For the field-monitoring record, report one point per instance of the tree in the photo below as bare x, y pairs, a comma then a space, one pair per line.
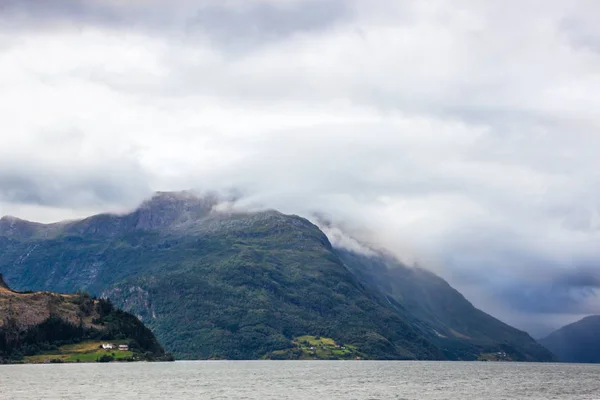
105, 358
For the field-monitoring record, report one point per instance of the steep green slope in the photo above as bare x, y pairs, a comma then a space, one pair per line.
36, 322
578, 342
213, 285
439, 312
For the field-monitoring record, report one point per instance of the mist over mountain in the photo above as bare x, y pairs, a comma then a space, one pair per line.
216, 282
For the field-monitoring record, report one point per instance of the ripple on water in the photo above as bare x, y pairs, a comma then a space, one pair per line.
301, 380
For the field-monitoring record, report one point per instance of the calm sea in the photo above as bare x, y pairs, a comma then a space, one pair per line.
322, 380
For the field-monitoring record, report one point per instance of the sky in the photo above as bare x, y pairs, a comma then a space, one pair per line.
462, 136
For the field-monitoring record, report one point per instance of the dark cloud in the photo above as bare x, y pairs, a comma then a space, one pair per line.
43, 14
580, 278
547, 298
581, 31
259, 22
120, 184
230, 24
536, 282
535, 298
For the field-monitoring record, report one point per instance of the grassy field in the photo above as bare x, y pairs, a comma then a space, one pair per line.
315, 341
80, 352
320, 348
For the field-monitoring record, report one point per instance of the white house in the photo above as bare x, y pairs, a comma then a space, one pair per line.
123, 347
107, 346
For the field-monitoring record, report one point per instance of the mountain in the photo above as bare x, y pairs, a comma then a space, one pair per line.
578, 342
237, 285
210, 284
37, 323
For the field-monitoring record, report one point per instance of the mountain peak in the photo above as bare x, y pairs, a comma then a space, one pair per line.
16, 227
169, 208
184, 199
9, 220
176, 196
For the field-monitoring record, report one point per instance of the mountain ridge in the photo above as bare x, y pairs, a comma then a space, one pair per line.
233, 284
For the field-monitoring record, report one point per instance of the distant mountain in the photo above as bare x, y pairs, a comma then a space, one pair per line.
578, 342
35, 323
214, 284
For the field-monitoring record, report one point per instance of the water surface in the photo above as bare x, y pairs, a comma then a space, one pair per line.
301, 380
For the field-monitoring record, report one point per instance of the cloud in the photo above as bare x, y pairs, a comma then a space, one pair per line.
65, 186
461, 136
253, 23
231, 24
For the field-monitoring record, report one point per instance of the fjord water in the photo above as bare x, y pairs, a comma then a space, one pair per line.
301, 380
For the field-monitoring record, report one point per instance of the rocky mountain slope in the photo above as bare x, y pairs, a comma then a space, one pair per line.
239, 285
32, 322
578, 342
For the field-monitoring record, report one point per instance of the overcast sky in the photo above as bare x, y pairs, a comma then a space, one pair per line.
462, 135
